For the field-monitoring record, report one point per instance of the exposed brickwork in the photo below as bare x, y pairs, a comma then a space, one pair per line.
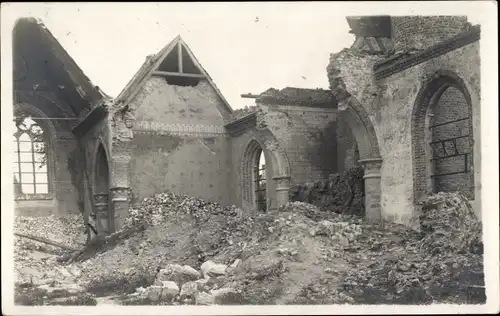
347, 148
419, 32
397, 129
239, 113
308, 138
452, 105
298, 96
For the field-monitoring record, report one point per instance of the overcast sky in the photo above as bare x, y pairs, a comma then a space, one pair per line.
245, 47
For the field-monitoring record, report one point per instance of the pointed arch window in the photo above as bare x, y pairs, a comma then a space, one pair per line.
31, 175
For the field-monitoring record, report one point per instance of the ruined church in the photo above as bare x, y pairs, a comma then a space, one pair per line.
403, 103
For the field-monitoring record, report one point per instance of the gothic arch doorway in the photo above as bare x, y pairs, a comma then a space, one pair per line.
258, 192
102, 213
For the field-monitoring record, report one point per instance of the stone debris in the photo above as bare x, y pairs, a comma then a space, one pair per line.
177, 273
212, 269
181, 250
342, 193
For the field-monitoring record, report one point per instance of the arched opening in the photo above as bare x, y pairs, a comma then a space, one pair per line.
366, 152
442, 138
260, 178
31, 160
256, 175
102, 214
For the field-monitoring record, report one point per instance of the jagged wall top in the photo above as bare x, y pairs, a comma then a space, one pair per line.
298, 96
385, 35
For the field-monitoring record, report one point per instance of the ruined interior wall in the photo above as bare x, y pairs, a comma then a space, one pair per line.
393, 127
347, 148
63, 166
99, 134
309, 137
238, 146
179, 142
452, 105
65, 174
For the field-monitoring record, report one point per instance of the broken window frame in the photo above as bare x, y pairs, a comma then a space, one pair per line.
258, 181
34, 137
456, 153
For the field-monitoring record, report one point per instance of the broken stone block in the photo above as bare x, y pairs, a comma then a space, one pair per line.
169, 290
177, 273
325, 228
212, 269
187, 270
189, 289
235, 263
154, 293
203, 298
202, 284
227, 296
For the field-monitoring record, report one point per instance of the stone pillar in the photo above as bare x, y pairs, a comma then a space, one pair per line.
101, 203
120, 188
372, 177
282, 190
120, 205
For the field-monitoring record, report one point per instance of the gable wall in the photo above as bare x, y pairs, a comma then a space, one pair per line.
179, 142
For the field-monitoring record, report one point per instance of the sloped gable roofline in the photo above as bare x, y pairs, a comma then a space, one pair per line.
74, 71
151, 64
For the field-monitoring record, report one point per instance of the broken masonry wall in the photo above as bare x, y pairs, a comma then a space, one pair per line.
62, 170
347, 148
65, 175
393, 126
420, 32
342, 193
308, 135
242, 181
98, 134
179, 142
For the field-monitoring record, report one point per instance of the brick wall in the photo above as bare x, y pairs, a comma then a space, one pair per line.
347, 148
403, 167
420, 32
308, 136
452, 106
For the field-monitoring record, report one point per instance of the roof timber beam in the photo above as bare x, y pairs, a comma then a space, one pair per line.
179, 57
176, 74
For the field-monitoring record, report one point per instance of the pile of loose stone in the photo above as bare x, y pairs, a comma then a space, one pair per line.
176, 284
342, 193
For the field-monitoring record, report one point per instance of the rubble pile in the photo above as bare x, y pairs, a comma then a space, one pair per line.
442, 262
35, 260
342, 193
176, 250
68, 230
279, 256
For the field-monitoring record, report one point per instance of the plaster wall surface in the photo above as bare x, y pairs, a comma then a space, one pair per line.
392, 123
179, 142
